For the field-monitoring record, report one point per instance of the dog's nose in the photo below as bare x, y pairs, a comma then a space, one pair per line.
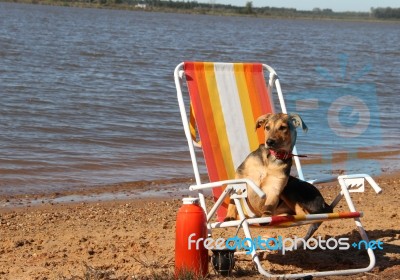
271, 142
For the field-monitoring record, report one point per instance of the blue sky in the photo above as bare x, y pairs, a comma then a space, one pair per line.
336, 5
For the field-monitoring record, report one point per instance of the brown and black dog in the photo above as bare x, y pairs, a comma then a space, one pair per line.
269, 167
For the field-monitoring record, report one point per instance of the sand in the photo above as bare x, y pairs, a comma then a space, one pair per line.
134, 237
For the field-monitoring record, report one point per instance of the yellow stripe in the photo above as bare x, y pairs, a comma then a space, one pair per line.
192, 125
219, 119
246, 104
334, 215
300, 217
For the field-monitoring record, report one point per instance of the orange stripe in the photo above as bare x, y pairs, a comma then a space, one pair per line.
190, 71
212, 150
192, 124
259, 79
221, 137
349, 214
210, 107
198, 91
265, 98
256, 101
212, 130
254, 97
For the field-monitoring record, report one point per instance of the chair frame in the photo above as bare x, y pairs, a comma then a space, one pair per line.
234, 190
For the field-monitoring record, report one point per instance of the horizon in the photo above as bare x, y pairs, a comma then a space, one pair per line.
308, 5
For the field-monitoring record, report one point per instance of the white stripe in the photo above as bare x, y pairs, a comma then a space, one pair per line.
232, 112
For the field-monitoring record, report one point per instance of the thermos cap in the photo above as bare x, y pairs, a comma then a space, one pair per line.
190, 200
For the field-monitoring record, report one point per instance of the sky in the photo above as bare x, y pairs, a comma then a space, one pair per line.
336, 5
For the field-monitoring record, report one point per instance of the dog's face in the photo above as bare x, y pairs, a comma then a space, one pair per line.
280, 130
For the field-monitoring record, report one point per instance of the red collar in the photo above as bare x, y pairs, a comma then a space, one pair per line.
283, 155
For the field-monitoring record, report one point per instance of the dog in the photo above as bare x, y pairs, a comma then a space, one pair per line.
269, 166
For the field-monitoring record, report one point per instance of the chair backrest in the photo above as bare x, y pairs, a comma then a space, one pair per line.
226, 100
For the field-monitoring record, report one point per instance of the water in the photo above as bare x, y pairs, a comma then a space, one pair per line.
87, 96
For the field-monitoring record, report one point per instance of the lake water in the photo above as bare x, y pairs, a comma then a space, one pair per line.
87, 96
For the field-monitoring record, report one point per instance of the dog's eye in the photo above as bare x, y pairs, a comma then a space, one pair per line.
282, 127
267, 128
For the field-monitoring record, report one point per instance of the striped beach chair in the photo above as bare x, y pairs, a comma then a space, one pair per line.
221, 104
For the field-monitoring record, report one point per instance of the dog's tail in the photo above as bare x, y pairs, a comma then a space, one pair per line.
318, 206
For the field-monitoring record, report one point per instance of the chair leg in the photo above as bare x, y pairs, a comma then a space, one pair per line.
310, 232
246, 230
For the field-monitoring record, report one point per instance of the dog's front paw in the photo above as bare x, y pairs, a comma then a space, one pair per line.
265, 214
267, 211
228, 218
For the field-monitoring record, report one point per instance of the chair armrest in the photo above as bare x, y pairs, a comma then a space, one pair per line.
211, 185
323, 180
369, 179
230, 186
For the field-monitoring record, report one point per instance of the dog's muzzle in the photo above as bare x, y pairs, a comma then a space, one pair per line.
270, 143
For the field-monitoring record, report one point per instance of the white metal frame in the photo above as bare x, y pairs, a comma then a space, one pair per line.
234, 189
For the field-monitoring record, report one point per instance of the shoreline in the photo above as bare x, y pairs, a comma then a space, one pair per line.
376, 163
164, 188
173, 188
217, 12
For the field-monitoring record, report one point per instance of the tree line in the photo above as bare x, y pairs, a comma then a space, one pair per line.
378, 13
213, 7
386, 13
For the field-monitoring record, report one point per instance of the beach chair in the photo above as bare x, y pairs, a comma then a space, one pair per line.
222, 102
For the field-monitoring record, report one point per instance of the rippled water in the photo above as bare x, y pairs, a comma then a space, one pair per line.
87, 96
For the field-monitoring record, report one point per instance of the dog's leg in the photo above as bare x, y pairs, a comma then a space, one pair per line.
268, 209
283, 209
231, 213
273, 188
311, 230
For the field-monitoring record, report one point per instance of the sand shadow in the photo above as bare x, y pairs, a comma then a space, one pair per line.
324, 260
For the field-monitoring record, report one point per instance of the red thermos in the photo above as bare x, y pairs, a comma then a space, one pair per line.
191, 230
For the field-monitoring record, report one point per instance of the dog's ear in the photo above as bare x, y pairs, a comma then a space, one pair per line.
261, 120
297, 121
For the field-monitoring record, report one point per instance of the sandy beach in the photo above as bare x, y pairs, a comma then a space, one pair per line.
133, 238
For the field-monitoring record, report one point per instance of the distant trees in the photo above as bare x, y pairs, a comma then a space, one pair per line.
386, 13
213, 7
324, 11
249, 8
